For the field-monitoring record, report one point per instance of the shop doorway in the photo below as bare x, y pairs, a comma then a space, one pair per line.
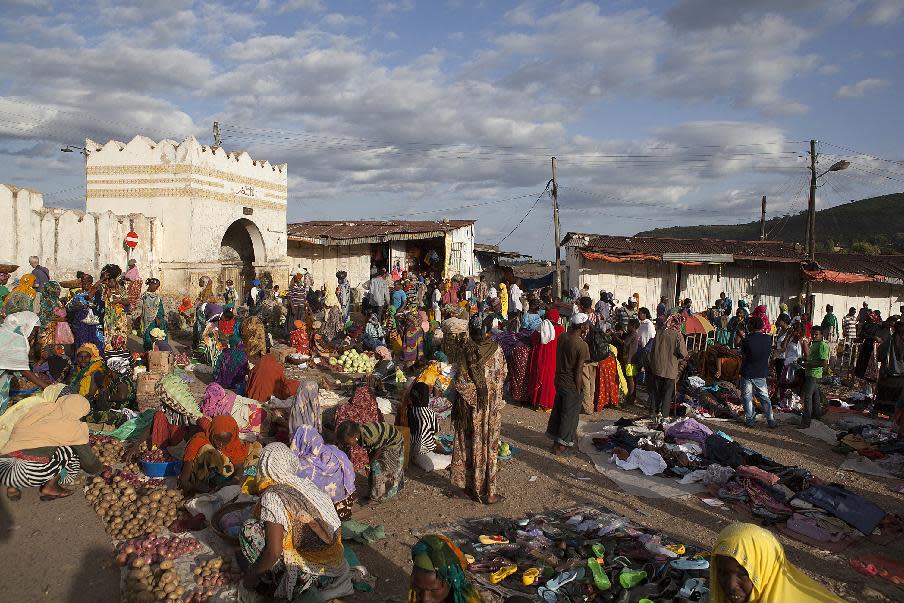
242, 246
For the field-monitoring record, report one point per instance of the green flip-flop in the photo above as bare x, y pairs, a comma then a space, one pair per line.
631, 578
600, 579
598, 549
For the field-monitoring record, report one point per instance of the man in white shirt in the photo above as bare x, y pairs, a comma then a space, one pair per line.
647, 330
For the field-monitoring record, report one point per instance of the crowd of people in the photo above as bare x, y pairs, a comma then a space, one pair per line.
64, 354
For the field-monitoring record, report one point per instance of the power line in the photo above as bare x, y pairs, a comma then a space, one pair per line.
540, 196
838, 146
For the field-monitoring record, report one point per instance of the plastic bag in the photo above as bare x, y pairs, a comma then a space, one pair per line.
132, 428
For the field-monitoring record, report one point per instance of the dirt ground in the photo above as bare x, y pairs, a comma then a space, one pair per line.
58, 551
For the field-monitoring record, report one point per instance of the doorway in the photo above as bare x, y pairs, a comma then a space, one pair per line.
241, 247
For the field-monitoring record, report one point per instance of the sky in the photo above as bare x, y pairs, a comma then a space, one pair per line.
659, 113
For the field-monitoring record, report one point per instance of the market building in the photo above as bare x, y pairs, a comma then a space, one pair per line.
357, 247
761, 272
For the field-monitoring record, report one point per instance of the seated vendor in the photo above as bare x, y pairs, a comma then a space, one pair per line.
88, 362
268, 379
328, 467
374, 334
213, 456
46, 444
748, 564
439, 575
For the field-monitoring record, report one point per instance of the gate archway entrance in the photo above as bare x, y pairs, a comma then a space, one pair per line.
242, 246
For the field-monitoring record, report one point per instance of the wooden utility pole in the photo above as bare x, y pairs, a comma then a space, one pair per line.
763, 220
811, 207
555, 221
216, 133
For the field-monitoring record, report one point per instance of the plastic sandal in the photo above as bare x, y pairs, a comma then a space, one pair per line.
600, 579
488, 567
692, 587
631, 578
678, 549
548, 596
484, 539
689, 565
598, 549
469, 559
504, 572
530, 576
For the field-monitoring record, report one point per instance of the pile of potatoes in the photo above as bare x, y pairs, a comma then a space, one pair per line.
108, 449
145, 584
131, 509
214, 573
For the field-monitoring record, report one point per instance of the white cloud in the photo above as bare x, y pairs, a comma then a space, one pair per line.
294, 5
862, 87
884, 12
339, 20
397, 6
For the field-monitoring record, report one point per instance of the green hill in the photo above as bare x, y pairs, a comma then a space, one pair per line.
874, 225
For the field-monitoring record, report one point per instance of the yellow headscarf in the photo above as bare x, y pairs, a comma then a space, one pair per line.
775, 579
82, 379
9, 419
504, 299
26, 285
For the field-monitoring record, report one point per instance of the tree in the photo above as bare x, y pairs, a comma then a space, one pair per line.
865, 247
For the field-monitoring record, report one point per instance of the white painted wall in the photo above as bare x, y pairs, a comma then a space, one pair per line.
758, 283
460, 251
884, 297
324, 261
649, 279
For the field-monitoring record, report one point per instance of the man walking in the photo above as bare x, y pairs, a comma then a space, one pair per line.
41, 274
756, 350
379, 293
571, 354
668, 348
817, 362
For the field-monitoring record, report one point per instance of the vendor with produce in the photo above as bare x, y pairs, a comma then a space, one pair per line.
385, 447
295, 523
213, 456
44, 444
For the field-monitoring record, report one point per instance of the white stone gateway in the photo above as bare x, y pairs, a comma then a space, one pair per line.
198, 210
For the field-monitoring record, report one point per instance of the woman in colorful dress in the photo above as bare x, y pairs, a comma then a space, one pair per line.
133, 284
541, 385
17, 333
477, 415
50, 303
294, 543
386, 451
88, 362
327, 466
412, 338
22, 297
152, 313
115, 320
361, 408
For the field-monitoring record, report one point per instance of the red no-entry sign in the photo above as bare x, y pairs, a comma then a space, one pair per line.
132, 239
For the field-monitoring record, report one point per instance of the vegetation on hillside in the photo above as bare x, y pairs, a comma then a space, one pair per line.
874, 225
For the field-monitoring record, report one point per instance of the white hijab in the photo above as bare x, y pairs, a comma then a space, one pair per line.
547, 331
14, 333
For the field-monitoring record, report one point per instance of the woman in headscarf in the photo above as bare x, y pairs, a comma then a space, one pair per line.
254, 336
50, 302
22, 297
115, 388
327, 466
385, 447
133, 286
231, 367
205, 297
298, 338
115, 321
344, 293
17, 333
374, 334
361, 408
45, 445
867, 364
891, 376
151, 312
217, 446
477, 415
541, 385
748, 565
333, 325
761, 312
88, 362
412, 338
744, 307
306, 409
294, 541
503, 300
439, 575
268, 379
185, 312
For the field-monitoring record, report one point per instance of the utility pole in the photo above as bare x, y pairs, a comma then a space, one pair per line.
763, 220
555, 221
216, 133
811, 207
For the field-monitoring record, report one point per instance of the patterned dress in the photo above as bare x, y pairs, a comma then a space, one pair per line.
477, 430
386, 448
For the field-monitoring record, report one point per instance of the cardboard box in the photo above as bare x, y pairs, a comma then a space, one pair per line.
159, 362
281, 352
146, 384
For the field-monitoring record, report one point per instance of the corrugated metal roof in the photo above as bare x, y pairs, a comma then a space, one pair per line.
336, 232
778, 251
494, 250
891, 267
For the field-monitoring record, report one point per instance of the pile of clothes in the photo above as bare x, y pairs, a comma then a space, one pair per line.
722, 399
876, 442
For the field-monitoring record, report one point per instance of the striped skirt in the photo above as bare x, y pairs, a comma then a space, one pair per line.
22, 473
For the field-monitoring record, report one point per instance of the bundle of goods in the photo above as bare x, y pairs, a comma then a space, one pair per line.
145, 584
176, 394
131, 506
108, 418
155, 549
108, 449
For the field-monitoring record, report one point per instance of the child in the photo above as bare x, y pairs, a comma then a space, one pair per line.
386, 449
299, 339
186, 314
230, 295
227, 323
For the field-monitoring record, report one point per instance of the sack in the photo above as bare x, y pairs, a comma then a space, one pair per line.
159, 362
64, 334
598, 342
146, 383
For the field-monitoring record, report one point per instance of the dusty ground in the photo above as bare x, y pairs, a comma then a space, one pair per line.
58, 551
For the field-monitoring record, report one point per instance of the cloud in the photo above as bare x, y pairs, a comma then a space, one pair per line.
339, 20
883, 12
862, 87
398, 6
698, 15
294, 5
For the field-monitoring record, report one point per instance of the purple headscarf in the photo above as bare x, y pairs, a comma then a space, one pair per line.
217, 401
306, 410
324, 464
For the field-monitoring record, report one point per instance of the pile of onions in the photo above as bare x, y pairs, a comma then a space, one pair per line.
108, 449
132, 509
155, 549
156, 456
215, 572
145, 584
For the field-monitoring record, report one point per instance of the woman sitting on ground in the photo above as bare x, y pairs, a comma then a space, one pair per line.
439, 575
88, 363
424, 425
44, 444
17, 335
361, 408
748, 565
293, 543
231, 368
326, 466
268, 379
213, 456
386, 449
374, 335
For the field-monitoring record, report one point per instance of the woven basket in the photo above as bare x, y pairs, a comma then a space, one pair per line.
215, 520
8, 268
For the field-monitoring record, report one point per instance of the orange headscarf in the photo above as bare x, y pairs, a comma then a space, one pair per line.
268, 378
236, 449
